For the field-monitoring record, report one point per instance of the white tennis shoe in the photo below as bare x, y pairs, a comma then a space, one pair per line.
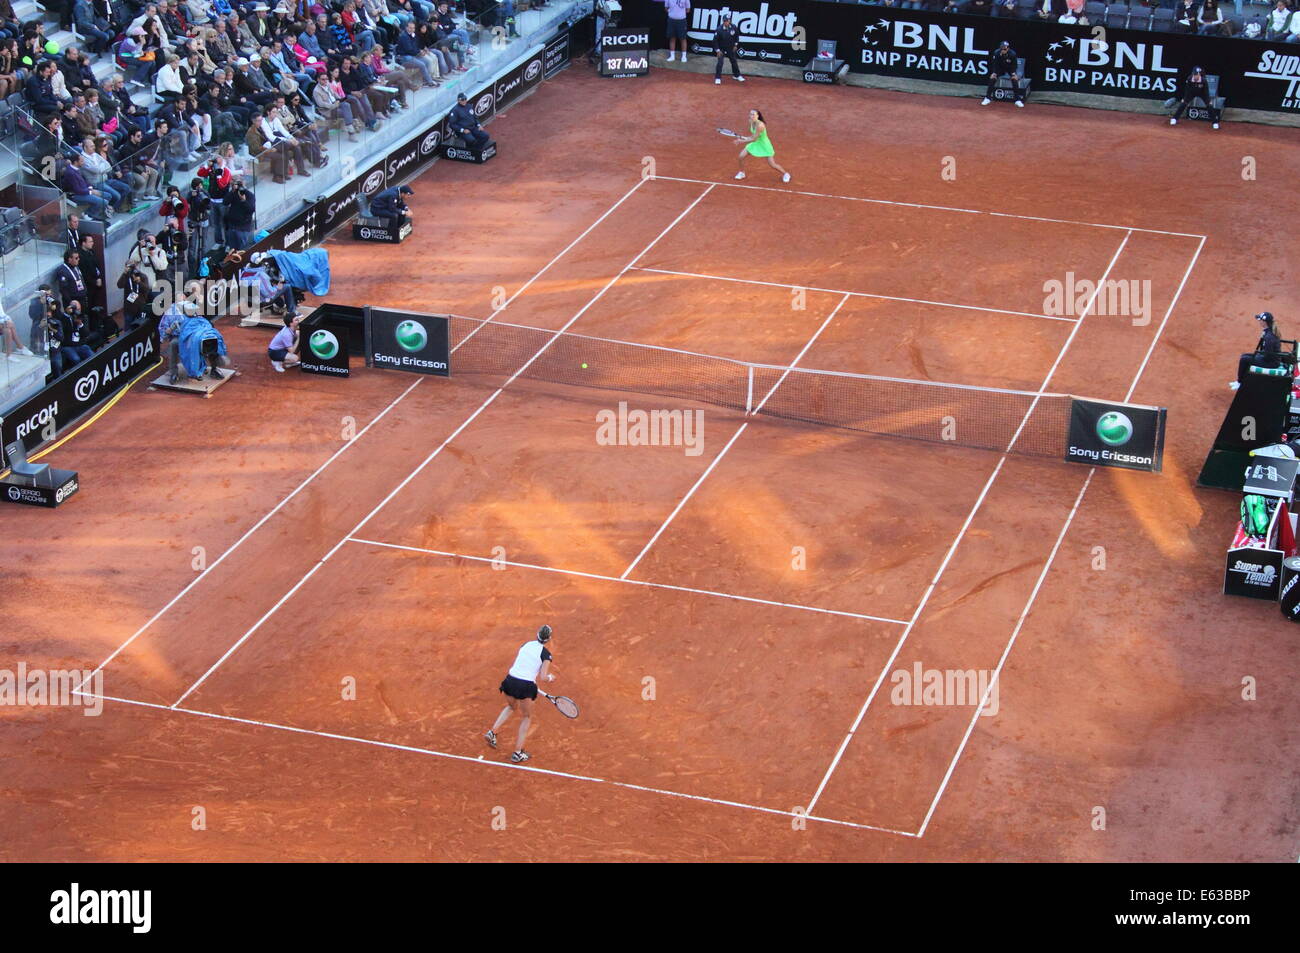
786, 177
717, 81
740, 79
740, 175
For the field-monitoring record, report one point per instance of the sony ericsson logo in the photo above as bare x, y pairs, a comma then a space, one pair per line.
86, 386
429, 143
373, 181
533, 69
411, 336
324, 344
1114, 429
484, 105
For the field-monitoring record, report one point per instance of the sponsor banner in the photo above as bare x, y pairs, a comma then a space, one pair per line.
408, 341
1116, 435
556, 55
45, 413
625, 52
1271, 476
954, 48
1255, 573
326, 351
380, 233
520, 80
64, 484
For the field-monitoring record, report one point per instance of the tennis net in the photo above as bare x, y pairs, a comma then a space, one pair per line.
984, 417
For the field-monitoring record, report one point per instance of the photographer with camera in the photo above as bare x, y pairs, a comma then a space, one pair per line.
136, 295
241, 208
218, 183
199, 204
37, 310
175, 245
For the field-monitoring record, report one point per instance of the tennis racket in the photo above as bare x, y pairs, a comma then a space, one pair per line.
566, 706
728, 132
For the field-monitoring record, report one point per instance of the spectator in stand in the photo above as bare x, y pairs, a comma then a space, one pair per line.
441, 51
262, 143
1275, 24
412, 55
76, 70
332, 106
98, 171
120, 174
173, 150
37, 310
1211, 21
297, 117
978, 8
1186, 16
140, 156
284, 63
447, 23
403, 80
10, 82
218, 43
13, 347
73, 335
167, 82
10, 28
96, 30
39, 90
355, 83
135, 296
246, 83
78, 189
462, 121
139, 60
240, 210
363, 38
1293, 31
118, 104
259, 26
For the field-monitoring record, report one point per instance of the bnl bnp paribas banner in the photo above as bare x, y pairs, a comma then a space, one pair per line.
953, 48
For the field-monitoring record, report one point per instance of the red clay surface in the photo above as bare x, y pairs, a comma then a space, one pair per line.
1122, 690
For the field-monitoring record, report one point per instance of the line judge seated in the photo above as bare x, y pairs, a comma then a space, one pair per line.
1267, 353
391, 207
465, 124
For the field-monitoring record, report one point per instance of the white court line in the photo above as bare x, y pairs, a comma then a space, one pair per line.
629, 582
961, 534
1006, 652
734, 437
253, 529
1077, 503
256, 526
859, 294
936, 208
427, 460
394, 746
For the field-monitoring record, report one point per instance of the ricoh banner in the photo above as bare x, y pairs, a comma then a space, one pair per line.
953, 48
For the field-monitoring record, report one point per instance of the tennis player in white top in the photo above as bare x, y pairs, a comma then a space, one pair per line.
532, 664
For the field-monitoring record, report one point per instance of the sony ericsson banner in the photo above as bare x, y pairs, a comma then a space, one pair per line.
326, 352
1116, 435
38, 419
954, 48
408, 341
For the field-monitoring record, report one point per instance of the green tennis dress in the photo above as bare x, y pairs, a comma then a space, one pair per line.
762, 146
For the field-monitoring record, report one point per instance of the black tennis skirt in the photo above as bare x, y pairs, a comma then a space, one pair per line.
518, 688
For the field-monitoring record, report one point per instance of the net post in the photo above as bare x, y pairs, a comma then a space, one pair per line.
749, 391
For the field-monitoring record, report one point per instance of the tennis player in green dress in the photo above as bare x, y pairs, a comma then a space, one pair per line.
759, 145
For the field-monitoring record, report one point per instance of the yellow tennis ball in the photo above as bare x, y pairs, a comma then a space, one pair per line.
584, 367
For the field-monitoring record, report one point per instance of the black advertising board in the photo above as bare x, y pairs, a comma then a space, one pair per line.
55, 487
408, 341
40, 417
1254, 573
1106, 434
518, 82
555, 56
954, 48
625, 52
324, 350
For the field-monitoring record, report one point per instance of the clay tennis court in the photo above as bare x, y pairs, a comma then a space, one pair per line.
235, 564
